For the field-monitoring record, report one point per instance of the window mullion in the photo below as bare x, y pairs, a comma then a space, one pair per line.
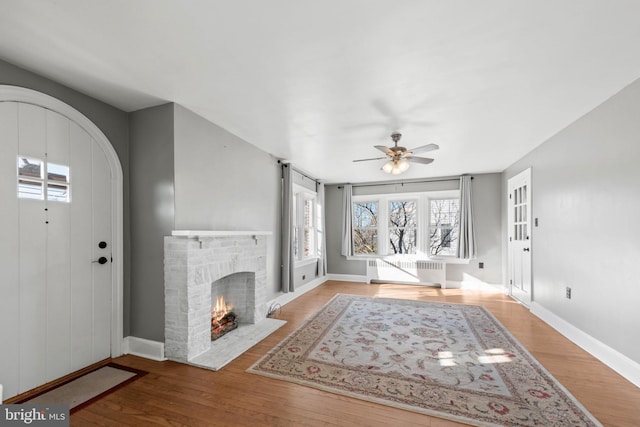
420, 223
301, 226
383, 227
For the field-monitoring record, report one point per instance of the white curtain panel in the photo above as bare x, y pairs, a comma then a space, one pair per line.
347, 240
287, 230
466, 233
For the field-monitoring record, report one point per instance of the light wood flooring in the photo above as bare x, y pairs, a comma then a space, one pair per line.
174, 394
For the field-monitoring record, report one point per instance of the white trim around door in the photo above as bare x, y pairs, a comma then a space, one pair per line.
20, 94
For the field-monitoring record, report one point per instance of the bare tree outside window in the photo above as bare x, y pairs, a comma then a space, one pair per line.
443, 229
365, 228
403, 223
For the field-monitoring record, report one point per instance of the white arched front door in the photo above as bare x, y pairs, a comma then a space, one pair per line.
61, 247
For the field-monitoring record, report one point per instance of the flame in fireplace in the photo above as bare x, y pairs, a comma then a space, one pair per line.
221, 309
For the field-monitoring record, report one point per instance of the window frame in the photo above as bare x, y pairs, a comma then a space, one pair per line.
446, 196
391, 200
423, 223
300, 196
366, 200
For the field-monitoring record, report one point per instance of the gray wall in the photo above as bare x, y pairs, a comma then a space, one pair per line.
487, 220
224, 183
113, 122
586, 194
152, 215
487, 215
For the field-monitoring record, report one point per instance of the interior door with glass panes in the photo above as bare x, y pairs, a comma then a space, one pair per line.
55, 253
519, 224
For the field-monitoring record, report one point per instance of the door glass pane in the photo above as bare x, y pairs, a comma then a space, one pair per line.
29, 189
57, 192
30, 178
58, 173
57, 182
29, 167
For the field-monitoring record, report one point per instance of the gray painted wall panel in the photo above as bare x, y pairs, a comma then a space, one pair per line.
488, 228
336, 263
224, 183
586, 194
152, 216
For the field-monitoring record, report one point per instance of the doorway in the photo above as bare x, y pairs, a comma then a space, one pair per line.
61, 252
519, 235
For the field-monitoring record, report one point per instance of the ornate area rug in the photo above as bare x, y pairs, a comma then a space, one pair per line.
452, 361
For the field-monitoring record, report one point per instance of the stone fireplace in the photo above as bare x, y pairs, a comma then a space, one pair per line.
200, 267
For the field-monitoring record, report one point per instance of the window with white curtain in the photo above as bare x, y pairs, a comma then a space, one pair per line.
423, 224
365, 227
444, 218
306, 233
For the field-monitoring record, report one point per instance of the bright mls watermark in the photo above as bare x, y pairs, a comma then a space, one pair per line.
34, 415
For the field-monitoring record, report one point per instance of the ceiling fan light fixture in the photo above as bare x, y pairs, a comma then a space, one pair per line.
396, 167
399, 158
388, 167
403, 165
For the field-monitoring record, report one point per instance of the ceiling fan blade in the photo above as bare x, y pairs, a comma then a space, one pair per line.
385, 150
424, 148
423, 160
366, 160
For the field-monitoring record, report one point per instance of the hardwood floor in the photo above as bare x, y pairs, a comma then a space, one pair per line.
174, 394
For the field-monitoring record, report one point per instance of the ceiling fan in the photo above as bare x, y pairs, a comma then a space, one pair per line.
399, 157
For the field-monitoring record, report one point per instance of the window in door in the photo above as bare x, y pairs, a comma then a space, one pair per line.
32, 180
520, 220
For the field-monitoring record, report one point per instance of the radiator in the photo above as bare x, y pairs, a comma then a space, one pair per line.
407, 271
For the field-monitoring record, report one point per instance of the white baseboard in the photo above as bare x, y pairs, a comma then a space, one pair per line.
348, 278
144, 348
607, 355
290, 296
476, 285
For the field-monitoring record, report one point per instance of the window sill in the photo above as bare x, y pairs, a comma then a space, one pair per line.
305, 262
446, 260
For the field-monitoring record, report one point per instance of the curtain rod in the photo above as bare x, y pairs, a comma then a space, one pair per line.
372, 184
301, 173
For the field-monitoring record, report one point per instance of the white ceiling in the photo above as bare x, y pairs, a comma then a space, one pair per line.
320, 82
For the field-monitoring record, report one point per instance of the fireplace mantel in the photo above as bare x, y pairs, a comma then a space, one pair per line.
220, 233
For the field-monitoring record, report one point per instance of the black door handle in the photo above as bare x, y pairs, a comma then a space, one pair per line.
526, 249
102, 260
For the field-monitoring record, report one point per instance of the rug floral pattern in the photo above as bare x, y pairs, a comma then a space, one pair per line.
454, 361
